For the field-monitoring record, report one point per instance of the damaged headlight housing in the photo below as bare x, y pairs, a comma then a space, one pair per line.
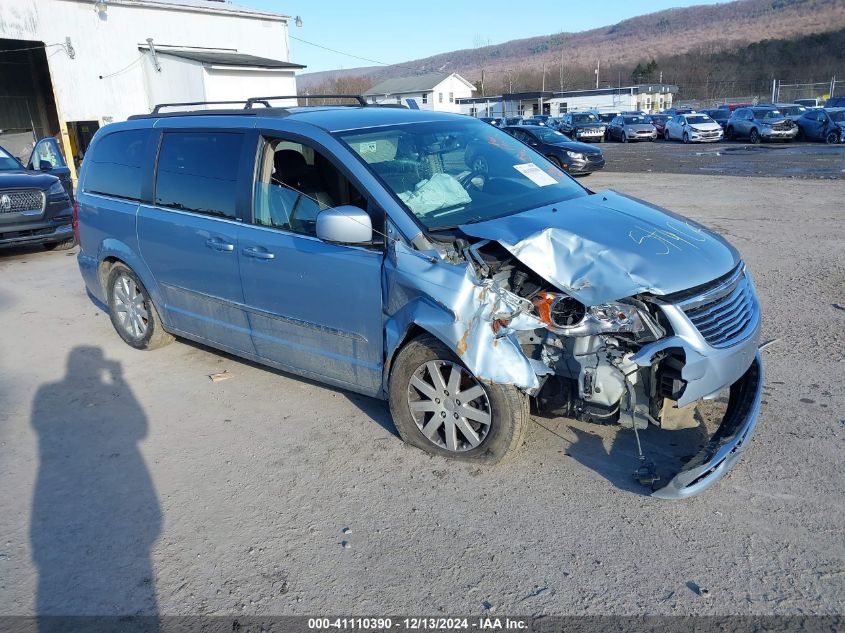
564, 315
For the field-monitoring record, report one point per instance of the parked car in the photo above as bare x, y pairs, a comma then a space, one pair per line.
582, 126
489, 119
835, 102
35, 208
510, 120
659, 123
606, 118
631, 127
576, 158
760, 123
823, 124
809, 103
677, 111
693, 128
365, 248
47, 157
719, 115
790, 110
730, 107
554, 122
533, 121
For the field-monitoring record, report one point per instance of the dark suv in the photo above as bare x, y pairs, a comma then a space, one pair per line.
35, 208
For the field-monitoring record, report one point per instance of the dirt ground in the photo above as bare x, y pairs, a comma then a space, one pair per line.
132, 483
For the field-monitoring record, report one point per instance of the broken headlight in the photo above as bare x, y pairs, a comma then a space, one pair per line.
564, 315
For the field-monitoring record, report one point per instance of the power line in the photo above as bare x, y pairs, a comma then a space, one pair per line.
366, 59
29, 48
125, 68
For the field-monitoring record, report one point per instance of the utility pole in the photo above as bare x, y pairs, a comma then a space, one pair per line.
598, 67
482, 83
543, 89
774, 90
561, 70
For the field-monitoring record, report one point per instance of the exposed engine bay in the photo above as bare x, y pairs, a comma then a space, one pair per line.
589, 349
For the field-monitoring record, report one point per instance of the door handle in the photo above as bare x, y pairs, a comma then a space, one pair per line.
219, 245
257, 253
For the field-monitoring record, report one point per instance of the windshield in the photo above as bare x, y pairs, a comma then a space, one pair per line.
548, 135
699, 118
838, 116
608, 117
635, 120
450, 173
659, 118
585, 118
8, 162
767, 114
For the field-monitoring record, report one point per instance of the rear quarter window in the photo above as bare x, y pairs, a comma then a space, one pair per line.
115, 164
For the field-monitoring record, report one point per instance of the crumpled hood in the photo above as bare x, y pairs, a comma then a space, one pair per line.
609, 246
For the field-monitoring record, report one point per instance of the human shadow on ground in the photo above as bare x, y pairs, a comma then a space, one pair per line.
95, 511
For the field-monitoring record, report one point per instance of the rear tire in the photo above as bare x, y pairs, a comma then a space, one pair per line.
554, 161
412, 384
132, 312
64, 245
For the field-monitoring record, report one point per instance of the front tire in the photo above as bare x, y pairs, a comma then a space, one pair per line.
831, 138
440, 407
754, 136
132, 312
686, 138
729, 134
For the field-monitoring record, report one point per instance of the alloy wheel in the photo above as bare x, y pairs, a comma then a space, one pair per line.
130, 307
449, 406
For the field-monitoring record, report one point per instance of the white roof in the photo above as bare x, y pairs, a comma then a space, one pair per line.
202, 6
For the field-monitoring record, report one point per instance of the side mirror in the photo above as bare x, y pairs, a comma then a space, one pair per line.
345, 224
45, 165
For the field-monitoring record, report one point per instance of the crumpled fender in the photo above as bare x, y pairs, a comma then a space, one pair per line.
480, 326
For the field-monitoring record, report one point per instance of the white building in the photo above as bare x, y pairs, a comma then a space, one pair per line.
69, 66
646, 97
431, 91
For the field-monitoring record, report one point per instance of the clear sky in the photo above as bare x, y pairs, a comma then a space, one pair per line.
397, 30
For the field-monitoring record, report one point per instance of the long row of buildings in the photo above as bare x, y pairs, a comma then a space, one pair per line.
452, 93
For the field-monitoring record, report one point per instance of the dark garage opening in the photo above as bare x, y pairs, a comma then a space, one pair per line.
27, 106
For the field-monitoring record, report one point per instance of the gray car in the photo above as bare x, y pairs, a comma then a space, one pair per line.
760, 123
631, 127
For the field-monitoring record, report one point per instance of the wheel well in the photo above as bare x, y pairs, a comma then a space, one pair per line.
104, 270
414, 331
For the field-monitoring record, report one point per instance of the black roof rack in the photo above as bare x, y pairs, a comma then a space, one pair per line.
159, 106
252, 101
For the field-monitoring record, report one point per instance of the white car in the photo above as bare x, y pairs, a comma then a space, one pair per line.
693, 128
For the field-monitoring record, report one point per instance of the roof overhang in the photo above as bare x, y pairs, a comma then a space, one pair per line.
199, 6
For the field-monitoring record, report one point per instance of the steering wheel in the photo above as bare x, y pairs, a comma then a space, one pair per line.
467, 180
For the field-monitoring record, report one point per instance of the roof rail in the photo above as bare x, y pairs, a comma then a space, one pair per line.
246, 102
263, 100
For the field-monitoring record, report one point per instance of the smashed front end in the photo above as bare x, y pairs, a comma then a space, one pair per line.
589, 331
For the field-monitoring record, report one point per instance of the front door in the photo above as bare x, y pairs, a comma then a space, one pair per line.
313, 307
189, 236
47, 157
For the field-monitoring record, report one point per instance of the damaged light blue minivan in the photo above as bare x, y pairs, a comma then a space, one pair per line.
427, 259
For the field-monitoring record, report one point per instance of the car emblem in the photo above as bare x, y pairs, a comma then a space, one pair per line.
5, 203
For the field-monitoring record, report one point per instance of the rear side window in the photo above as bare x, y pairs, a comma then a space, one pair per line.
115, 164
198, 171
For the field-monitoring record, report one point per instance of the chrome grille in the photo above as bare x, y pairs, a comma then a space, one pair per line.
725, 313
21, 201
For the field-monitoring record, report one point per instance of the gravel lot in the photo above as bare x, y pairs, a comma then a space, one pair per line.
132, 483
728, 158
